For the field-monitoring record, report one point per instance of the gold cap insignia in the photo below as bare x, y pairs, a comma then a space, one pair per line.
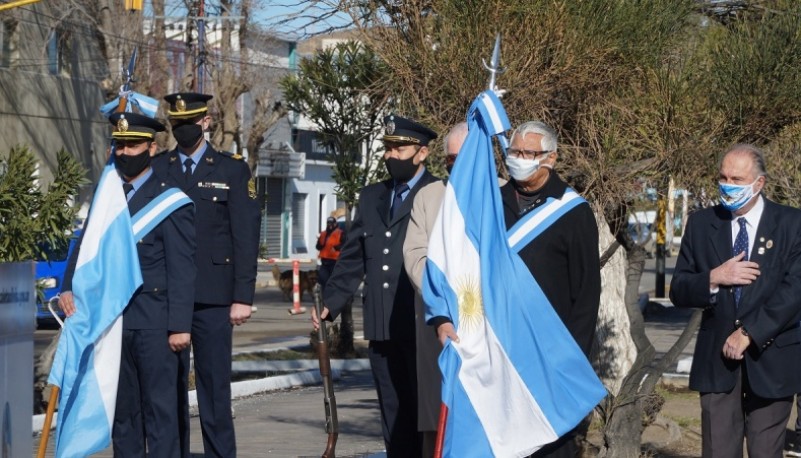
122, 124
180, 104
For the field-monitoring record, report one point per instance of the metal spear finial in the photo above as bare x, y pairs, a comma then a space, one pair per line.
494, 66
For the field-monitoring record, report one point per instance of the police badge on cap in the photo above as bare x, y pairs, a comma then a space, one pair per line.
406, 131
187, 105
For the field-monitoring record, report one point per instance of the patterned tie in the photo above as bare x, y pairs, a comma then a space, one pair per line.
127, 188
740, 245
397, 200
188, 169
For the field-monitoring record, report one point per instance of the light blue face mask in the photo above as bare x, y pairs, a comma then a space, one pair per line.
734, 196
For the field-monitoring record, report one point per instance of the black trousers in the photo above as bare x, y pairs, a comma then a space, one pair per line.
395, 375
146, 417
212, 344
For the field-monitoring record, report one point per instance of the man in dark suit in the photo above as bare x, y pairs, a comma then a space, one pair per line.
227, 223
373, 252
740, 261
158, 319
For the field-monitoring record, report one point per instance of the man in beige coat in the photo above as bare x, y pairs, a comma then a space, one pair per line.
424, 212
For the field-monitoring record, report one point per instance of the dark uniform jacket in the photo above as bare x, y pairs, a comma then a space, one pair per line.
166, 258
564, 260
227, 219
373, 252
769, 308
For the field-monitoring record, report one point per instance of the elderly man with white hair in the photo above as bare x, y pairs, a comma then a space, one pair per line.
560, 250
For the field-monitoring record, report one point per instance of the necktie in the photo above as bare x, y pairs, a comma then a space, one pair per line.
188, 169
127, 188
740, 245
397, 200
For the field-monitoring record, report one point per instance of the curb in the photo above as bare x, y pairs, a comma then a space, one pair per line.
308, 374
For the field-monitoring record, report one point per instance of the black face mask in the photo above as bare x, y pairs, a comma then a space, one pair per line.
187, 135
402, 170
132, 166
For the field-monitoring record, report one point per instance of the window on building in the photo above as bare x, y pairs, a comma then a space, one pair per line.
299, 223
306, 141
58, 52
7, 40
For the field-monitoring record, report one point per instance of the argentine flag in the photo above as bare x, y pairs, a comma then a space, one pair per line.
148, 106
87, 361
516, 380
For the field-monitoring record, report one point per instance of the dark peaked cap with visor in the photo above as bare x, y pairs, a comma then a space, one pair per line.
133, 126
402, 130
187, 105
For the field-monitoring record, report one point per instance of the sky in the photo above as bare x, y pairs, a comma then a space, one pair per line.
291, 19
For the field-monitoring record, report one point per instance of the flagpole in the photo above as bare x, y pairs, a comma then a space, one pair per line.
494, 68
51, 407
54, 390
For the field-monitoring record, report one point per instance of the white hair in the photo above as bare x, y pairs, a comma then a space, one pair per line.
460, 130
548, 141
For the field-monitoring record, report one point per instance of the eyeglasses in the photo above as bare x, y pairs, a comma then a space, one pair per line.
450, 159
525, 153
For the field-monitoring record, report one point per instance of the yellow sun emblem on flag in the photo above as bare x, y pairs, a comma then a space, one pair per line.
471, 307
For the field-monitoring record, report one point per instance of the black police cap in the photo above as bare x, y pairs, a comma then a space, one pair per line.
403, 130
186, 105
134, 126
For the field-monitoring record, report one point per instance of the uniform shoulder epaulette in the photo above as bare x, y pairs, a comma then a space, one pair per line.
237, 157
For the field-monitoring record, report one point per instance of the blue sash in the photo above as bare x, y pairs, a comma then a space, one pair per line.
157, 210
536, 221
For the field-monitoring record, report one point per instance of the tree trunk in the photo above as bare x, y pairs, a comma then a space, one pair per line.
622, 432
614, 351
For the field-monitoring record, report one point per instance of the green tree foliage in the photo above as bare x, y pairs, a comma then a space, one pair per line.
639, 91
340, 90
31, 218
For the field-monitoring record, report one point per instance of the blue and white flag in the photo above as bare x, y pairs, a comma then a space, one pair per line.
148, 106
517, 380
87, 361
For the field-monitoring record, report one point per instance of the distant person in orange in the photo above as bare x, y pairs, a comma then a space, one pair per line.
328, 244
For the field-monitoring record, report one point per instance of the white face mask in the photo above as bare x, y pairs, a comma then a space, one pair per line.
520, 169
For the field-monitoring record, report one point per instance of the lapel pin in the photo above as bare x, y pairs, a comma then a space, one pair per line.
769, 245
173, 159
761, 250
209, 160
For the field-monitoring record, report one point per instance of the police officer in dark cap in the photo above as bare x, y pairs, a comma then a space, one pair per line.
158, 319
227, 221
373, 252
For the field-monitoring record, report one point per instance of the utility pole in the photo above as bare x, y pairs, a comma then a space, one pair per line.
201, 44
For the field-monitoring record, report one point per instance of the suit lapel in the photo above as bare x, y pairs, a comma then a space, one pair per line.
767, 225
176, 169
144, 195
408, 202
383, 203
720, 235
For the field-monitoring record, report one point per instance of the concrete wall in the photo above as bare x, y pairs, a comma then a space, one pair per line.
48, 113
